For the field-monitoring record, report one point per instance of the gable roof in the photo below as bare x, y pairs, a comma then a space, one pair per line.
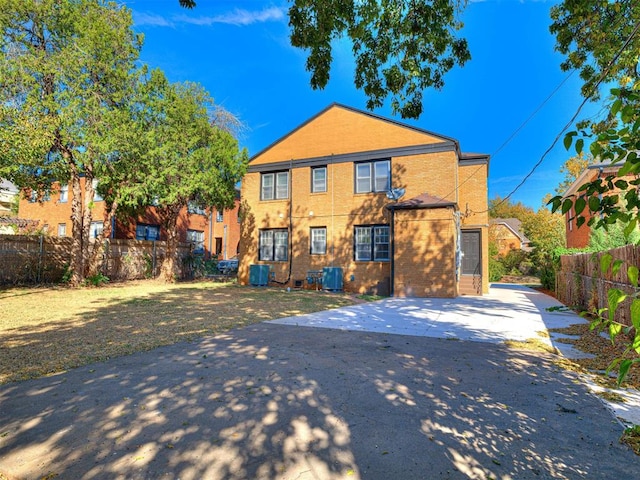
444, 139
514, 225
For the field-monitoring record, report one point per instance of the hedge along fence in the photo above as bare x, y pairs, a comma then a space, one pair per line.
580, 284
28, 259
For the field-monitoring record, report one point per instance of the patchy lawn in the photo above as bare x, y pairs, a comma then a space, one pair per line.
49, 330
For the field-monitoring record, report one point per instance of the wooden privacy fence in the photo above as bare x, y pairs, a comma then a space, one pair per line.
28, 259
580, 284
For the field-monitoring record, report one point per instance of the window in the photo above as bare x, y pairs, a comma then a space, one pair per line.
318, 241
373, 176
196, 238
219, 216
33, 198
274, 186
273, 245
318, 179
95, 230
147, 232
62, 229
64, 193
192, 207
96, 196
372, 243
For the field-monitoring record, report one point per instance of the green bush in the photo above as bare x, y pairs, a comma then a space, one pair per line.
496, 269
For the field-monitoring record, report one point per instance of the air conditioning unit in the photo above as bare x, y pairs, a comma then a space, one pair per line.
258, 275
332, 278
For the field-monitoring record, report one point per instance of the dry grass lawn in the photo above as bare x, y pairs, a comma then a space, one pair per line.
49, 330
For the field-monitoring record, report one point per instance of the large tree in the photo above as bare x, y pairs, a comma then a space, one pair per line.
64, 67
191, 159
400, 47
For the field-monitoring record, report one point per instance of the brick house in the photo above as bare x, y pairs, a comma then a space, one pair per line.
508, 235
213, 233
387, 207
578, 237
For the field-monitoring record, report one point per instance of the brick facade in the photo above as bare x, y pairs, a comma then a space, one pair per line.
425, 240
221, 238
578, 237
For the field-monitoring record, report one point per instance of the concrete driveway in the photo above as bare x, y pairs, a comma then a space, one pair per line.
402, 388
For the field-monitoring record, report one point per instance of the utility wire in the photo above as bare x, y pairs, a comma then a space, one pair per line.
573, 118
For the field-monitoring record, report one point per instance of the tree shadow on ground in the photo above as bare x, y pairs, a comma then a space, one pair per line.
273, 401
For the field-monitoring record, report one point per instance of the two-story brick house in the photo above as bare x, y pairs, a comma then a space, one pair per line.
397, 209
212, 233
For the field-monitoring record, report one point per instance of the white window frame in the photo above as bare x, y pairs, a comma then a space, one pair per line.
196, 238
274, 186
273, 245
318, 185
64, 194
62, 229
219, 216
96, 229
372, 177
318, 243
372, 243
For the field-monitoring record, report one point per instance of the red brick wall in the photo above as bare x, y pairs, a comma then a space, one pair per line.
53, 212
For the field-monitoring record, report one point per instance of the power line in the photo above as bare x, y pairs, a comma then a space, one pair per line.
573, 118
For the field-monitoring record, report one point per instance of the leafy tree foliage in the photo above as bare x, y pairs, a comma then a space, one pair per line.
400, 47
63, 67
602, 39
572, 169
504, 208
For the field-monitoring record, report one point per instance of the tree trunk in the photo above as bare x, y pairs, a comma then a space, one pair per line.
170, 269
77, 264
97, 255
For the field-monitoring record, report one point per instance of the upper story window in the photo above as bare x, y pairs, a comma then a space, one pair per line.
96, 196
372, 243
64, 193
373, 176
193, 207
274, 186
318, 179
219, 216
33, 197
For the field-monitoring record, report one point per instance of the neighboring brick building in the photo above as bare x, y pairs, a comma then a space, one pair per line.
213, 233
396, 209
508, 235
578, 237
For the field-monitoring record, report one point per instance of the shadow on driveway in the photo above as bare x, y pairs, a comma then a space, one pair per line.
276, 401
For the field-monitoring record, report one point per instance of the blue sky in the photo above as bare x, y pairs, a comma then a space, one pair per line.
498, 103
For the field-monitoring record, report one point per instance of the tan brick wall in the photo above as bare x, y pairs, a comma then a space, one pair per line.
505, 239
339, 130
425, 253
474, 207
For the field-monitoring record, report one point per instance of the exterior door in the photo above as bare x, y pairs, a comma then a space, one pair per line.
471, 271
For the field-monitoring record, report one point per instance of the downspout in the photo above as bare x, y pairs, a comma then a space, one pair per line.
393, 252
210, 232
224, 243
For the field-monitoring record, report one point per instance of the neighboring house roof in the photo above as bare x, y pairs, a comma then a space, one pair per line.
514, 225
7, 186
422, 201
604, 168
18, 222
